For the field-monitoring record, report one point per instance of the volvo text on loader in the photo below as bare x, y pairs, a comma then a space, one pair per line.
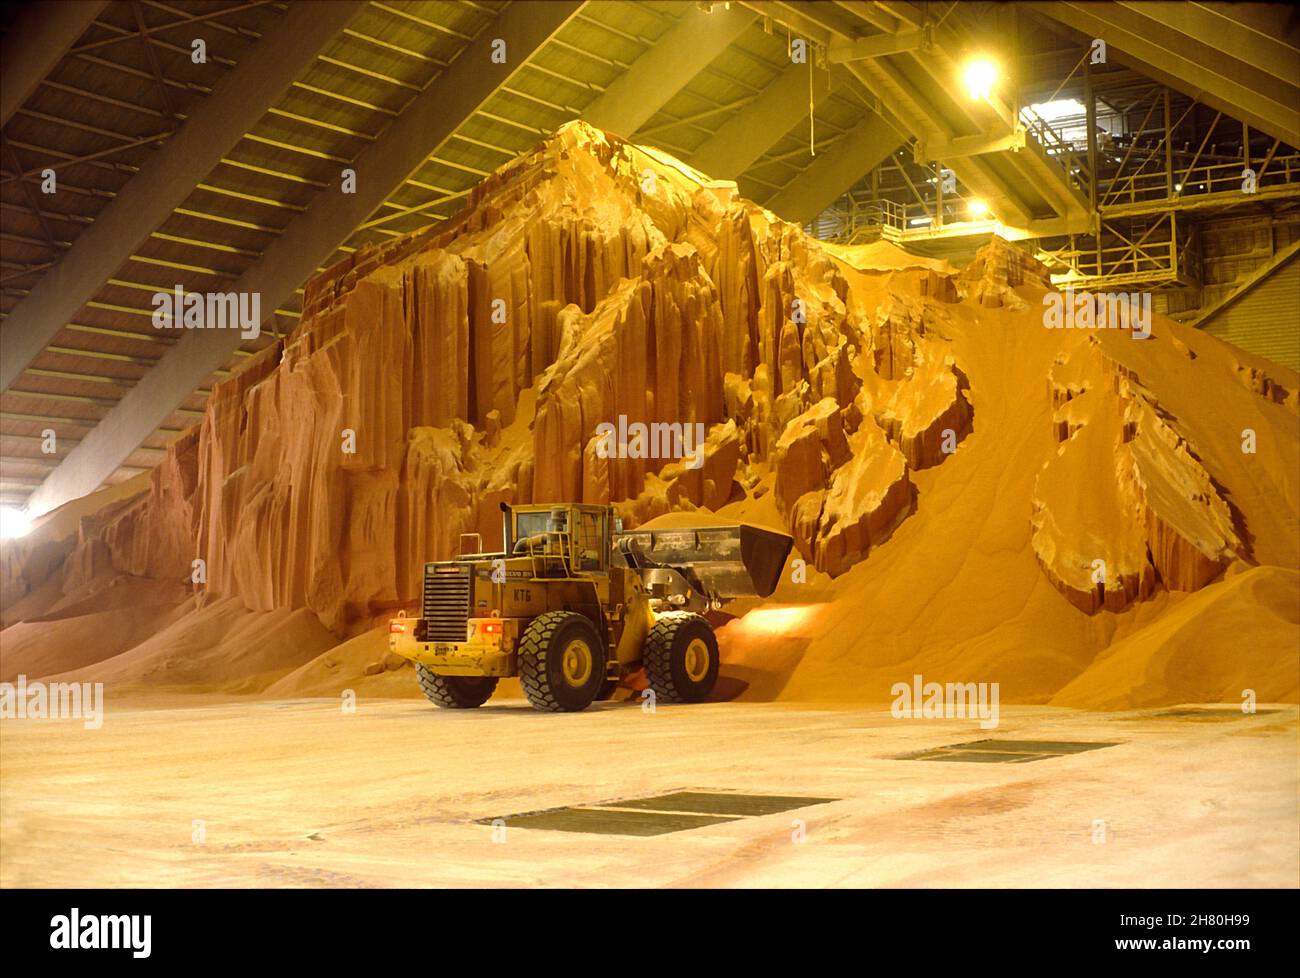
572, 603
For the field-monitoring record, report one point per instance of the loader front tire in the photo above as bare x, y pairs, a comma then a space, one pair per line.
561, 662
681, 658
455, 692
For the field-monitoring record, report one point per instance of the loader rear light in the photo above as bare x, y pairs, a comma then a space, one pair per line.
397, 628
491, 627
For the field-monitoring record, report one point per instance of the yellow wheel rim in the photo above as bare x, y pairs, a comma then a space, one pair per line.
697, 660
575, 663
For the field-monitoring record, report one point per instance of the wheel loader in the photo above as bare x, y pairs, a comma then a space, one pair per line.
572, 603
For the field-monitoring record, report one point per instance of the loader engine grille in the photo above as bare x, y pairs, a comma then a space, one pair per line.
446, 603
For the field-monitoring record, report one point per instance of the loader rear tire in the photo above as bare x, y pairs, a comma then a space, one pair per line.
455, 692
681, 658
561, 662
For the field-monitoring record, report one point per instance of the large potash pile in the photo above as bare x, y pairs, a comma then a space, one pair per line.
1088, 518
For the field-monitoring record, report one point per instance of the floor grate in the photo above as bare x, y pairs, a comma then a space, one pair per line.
1004, 751
1211, 713
677, 811
719, 803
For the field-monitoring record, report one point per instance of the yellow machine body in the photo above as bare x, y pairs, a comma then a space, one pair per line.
570, 557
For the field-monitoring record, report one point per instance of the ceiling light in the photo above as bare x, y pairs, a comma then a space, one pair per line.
980, 75
14, 523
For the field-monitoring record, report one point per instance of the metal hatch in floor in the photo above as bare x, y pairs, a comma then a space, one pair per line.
657, 814
1005, 751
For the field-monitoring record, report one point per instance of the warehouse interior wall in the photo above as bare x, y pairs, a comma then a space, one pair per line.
1265, 319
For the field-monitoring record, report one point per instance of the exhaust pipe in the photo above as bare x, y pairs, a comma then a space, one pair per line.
505, 529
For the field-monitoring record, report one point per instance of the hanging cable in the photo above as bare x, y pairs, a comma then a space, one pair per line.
812, 140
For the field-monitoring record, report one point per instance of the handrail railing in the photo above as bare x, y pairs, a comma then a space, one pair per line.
1207, 178
1156, 253
889, 218
1057, 149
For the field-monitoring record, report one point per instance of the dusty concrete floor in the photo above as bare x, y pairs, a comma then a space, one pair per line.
298, 793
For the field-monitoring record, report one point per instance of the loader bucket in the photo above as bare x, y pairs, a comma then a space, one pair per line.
730, 561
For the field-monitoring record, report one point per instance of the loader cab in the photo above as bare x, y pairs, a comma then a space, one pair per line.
567, 540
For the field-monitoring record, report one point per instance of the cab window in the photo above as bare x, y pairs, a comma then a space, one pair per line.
589, 541
530, 524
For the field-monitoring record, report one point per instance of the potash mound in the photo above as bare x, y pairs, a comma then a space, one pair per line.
1084, 517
